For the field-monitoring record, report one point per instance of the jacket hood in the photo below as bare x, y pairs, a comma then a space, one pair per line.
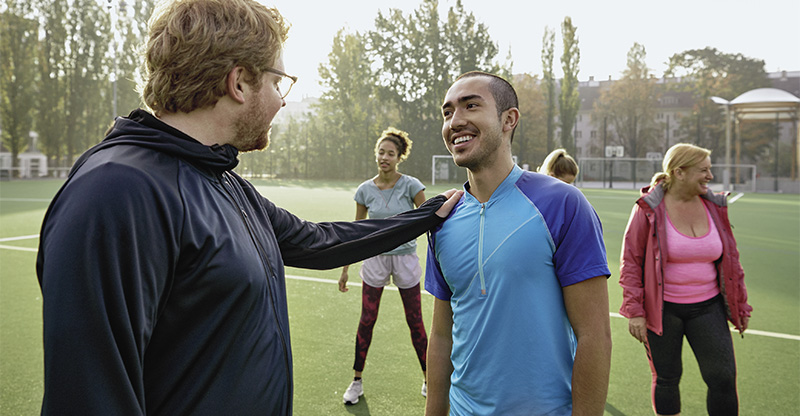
143, 129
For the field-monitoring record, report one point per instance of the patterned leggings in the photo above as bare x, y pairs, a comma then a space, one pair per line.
370, 301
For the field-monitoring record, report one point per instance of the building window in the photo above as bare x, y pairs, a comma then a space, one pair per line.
669, 100
578, 134
593, 134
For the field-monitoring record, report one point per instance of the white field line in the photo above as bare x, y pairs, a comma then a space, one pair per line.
611, 314
26, 199
22, 237
735, 198
5, 247
394, 288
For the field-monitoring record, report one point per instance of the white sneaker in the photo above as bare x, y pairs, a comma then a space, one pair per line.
353, 392
424, 388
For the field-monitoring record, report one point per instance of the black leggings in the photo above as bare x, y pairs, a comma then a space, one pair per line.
706, 328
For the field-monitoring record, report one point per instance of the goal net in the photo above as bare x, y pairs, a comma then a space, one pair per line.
444, 170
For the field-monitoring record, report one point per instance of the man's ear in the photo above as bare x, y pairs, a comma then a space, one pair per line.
510, 119
235, 84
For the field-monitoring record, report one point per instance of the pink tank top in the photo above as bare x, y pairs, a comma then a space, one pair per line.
690, 275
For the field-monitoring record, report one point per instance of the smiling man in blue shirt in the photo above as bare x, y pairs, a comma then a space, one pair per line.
520, 322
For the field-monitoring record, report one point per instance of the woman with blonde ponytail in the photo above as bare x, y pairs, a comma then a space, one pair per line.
560, 165
681, 276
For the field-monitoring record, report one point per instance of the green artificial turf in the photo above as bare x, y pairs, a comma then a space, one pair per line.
324, 321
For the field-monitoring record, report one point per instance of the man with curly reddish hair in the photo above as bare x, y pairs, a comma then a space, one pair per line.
172, 301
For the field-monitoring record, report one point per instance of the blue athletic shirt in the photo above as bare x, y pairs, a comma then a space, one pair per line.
513, 345
383, 203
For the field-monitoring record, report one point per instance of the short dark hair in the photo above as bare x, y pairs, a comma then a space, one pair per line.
505, 97
503, 93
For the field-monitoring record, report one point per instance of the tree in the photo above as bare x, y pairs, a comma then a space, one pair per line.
350, 106
417, 59
549, 85
51, 114
413, 74
709, 72
86, 73
530, 138
129, 21
569, 101
629, 105
18, 47
468, 46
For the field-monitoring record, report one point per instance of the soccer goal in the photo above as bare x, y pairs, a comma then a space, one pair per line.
444, 170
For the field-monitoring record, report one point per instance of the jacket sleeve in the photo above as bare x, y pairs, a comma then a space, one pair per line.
103, 265
744, 308
632, 260
328, 245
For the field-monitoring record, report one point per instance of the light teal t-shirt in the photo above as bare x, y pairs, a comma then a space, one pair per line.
388, 202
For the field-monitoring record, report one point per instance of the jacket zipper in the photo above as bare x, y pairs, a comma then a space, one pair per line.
480, 250
265, 263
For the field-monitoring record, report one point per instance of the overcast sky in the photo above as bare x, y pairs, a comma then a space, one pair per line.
762, 29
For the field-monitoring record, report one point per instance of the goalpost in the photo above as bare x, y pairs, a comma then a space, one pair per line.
443, 169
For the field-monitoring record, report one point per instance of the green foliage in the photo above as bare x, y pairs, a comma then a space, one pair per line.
18, 44
418, 57
530, 138
86, 71
130, 20
709, 72
51, 114
413, 75
549, 85
64, 56
393, 75
350, 108
569, 101
629, 106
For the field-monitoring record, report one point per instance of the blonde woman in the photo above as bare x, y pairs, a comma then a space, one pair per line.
560, 165
681, 277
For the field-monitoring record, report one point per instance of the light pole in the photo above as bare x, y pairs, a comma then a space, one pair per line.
726, 176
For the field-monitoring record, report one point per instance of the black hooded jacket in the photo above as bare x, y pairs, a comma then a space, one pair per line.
162, 274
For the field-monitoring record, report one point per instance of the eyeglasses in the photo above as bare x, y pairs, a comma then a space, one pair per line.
286, 82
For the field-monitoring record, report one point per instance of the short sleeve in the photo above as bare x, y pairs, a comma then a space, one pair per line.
434, 278
361, 194
414, 187
580, 252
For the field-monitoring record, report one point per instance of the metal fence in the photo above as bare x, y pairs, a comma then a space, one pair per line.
635, 173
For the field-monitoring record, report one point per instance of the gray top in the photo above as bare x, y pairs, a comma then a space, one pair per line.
388, 202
